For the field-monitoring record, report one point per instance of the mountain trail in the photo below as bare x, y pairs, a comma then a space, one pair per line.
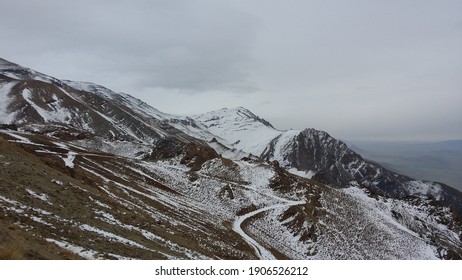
262, 252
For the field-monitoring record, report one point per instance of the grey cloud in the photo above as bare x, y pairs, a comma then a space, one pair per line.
193, 45
358, 69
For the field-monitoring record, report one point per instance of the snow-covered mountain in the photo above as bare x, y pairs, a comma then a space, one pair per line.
240, 128
90, 173
42, 103
315, 154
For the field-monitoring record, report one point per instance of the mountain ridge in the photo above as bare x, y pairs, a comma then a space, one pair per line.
104, 175
318, 155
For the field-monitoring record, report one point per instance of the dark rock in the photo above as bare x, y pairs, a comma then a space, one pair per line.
194, 155
9, 127
226, 192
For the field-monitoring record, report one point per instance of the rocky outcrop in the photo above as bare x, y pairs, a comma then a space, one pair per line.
335, 164
194, 155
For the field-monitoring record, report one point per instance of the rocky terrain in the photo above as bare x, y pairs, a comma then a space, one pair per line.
90, 173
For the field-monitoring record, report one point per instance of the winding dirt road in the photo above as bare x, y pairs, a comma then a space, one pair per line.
260, 251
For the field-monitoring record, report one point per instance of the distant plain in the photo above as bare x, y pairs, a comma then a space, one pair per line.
435, 161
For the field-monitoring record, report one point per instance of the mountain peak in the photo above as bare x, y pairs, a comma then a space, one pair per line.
225, 110
241, 109
242, 128
236, 114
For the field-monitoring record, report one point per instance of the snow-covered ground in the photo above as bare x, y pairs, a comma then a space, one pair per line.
239, 128
6, 117
129, 207
350, 224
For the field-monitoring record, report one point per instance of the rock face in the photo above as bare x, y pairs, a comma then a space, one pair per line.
223, 185
335, 164
195, 155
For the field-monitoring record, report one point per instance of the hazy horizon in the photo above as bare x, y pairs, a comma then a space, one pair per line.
359, 70
437, 161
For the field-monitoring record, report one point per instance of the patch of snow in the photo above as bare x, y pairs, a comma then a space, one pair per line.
61, 145
55, 112
226, 152
57, 182
10, 201
21, 139
425, 188
42, 197
80, 251
41, 221
99, 203
305, 174
283, 143
69, 160
111, 236
6, 117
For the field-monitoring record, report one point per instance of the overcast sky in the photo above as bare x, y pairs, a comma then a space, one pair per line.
358, 69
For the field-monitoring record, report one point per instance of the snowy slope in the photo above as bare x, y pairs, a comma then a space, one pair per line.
37, 102
240, 128
182, 123
230, 209
161, 186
